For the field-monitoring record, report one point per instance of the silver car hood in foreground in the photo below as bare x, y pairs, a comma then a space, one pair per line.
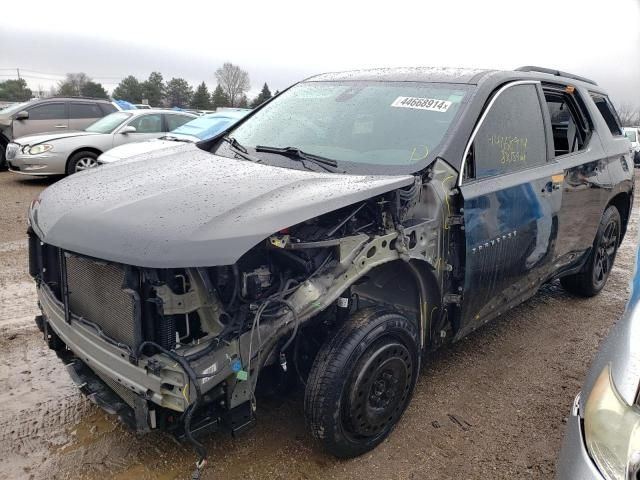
188, 207
621, 349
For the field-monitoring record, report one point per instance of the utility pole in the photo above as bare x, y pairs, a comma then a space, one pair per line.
18, 73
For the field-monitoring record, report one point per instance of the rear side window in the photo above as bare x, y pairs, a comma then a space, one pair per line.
569, 123
175, 121
512, 135
107, 108
84, 110
49, 111
608, 113
147, 123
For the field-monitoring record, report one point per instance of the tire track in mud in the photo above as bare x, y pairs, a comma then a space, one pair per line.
38, 400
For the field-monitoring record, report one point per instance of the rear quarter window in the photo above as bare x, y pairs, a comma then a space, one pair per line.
512, 135
605, 107
107, 108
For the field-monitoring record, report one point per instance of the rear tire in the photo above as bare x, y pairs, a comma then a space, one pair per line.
593, 278
82, 161
3, 156
361, 381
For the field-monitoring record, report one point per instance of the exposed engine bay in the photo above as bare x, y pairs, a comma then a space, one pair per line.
205, 334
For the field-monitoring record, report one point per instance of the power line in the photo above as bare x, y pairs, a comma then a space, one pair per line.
28, 73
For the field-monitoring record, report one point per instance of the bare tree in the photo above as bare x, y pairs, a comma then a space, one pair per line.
73, 84
234, 82
629, 115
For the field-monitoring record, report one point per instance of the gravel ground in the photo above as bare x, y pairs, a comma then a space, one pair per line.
492, 406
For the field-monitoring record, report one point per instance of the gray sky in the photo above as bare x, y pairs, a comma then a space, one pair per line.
280, 42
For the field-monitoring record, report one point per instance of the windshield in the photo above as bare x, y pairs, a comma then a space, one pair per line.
367, 127
204, 127
14, 108
631, 135
109, 123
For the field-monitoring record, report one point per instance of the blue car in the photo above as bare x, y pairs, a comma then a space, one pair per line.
201, 128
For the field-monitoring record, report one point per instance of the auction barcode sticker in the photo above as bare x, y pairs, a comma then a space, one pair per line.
432, 104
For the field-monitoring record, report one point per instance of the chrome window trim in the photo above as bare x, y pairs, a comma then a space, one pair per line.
483, 116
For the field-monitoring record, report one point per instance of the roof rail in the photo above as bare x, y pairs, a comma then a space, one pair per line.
68, 97
557, 73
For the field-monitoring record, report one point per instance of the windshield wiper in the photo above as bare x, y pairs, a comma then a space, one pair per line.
295, 153
239, 149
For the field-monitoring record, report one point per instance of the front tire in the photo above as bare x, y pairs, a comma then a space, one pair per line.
82, 161
593, 278
361, 382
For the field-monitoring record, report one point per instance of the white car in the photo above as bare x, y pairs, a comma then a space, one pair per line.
633, 134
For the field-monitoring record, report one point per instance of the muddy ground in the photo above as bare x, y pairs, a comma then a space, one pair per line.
491, 406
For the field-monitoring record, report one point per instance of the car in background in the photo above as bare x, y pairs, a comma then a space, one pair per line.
633, 134
142, 106
70, 152
201, 128
602, 440
48, 115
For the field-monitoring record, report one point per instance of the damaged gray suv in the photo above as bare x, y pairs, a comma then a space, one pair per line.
333, 238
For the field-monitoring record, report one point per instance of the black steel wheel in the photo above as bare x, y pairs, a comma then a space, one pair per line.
362, 381
605, 246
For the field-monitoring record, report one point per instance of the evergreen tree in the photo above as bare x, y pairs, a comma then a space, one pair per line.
263, 96
129, 89
219, 99
201, 99
15, 90
179, 93
94, 90
153, 89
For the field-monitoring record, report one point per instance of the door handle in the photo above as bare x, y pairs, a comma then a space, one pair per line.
61, 126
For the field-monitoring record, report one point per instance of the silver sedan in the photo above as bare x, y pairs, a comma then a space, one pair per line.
65, 153
602, 441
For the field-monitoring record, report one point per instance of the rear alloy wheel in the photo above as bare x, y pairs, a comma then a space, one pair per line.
362, 381
593, 279
82, 161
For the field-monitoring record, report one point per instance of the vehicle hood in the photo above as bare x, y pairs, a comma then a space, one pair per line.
188, 207
129, 150
51, 136
621, 349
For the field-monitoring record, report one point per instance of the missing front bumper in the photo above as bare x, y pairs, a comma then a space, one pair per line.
136, 416
113, 362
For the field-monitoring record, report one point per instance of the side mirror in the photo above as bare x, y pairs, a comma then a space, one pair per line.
22, 115
128, 129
